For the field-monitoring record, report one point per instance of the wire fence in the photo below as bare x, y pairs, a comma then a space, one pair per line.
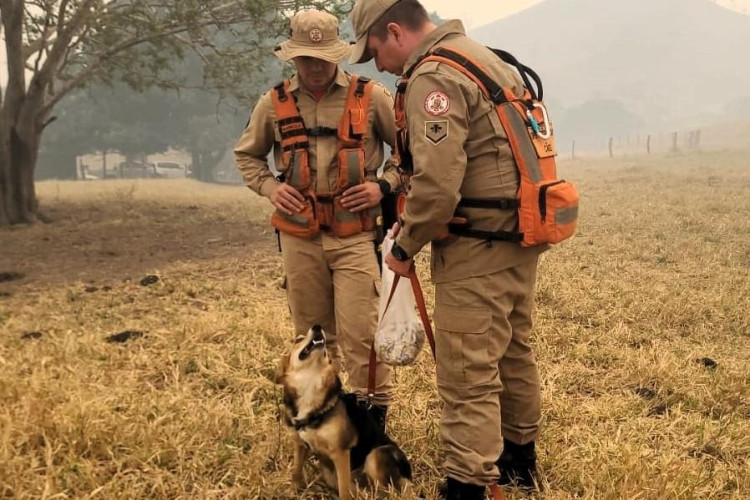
727, 136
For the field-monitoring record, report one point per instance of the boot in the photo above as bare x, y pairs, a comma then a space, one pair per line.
456, 490
378, 414
517, 465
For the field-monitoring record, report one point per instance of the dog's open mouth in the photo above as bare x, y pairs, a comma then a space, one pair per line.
318, 341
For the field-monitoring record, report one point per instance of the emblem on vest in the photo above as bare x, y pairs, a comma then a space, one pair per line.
437, 103
316, 36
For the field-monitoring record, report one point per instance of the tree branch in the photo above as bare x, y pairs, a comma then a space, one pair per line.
103, 57
43, 41
61, 17
65, 33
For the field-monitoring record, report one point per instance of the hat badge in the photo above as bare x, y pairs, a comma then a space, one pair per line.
316, 36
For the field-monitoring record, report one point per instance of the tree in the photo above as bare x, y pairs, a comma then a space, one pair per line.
56, 46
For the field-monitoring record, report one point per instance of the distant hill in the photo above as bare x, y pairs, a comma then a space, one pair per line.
646, 64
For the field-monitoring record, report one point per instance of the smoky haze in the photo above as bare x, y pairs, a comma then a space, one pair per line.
630, 67
610, 69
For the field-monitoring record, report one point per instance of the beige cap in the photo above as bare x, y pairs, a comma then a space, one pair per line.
363, 16
314, 33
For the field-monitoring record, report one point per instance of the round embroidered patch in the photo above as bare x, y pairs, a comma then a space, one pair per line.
316, 36
437, 103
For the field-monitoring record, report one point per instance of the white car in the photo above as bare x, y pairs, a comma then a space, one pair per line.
170, 170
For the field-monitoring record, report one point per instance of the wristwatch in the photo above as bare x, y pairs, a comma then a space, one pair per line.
399, 253
384, 186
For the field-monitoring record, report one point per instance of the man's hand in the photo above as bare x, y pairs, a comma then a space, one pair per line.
402, 268
287, 199
362, 196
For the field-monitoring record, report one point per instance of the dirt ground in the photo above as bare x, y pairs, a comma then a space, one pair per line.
128, 230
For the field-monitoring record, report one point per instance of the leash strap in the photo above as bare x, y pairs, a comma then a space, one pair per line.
497, 493
419, 298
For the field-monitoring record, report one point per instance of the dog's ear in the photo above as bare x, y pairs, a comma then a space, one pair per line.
282, 368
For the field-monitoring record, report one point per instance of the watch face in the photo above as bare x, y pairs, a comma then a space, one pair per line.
399, 253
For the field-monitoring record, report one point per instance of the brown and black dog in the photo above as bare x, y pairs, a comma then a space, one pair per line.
331, 424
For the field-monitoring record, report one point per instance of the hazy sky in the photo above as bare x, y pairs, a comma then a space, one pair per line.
475, 13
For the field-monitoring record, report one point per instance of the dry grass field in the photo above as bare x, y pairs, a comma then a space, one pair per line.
642, 335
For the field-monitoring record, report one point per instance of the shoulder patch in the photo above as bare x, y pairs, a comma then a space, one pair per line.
436, 131
382, 87
437, 103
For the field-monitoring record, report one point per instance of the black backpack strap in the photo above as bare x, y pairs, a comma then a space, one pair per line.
321, 131
524, 71
496, 91
499, 203
279, 89
361, 82
466, 232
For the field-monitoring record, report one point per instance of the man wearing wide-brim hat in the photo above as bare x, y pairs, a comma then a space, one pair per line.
460, 155
327, 131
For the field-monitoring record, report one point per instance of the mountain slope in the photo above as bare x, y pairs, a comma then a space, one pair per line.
673, 63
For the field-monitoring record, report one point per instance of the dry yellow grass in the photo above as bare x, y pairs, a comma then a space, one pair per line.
655, 282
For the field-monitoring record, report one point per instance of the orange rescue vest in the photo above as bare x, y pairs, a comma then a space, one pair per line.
547, 207
323, 210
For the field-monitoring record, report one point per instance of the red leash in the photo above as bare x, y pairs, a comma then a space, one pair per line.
419, 298
497, 493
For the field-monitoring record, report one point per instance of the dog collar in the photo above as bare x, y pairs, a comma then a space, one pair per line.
315, 418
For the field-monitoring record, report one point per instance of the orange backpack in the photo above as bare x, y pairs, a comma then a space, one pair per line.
323, 211
547, 207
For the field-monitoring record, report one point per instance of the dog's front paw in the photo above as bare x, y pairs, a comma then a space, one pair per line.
298, 481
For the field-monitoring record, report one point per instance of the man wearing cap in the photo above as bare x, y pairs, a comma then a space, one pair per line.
487, 375
327, 130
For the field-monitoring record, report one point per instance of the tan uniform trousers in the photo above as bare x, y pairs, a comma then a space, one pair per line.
486, 372
335, 282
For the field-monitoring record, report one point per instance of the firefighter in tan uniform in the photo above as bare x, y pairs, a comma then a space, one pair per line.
486, 372
327, 130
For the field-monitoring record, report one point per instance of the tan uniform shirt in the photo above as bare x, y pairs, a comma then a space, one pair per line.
459, 149
262, 135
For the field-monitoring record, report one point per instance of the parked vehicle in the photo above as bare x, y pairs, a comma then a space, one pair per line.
136, 170
170, 170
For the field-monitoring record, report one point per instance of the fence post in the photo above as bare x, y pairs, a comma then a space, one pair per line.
648, 145
674, 142
610, 147
574, 150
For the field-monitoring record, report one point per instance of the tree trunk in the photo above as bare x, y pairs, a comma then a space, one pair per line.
203, 166
18, 203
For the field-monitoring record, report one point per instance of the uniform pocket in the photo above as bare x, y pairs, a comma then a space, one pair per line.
462, 339
345, 223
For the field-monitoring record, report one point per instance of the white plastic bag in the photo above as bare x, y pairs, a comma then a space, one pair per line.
400, 334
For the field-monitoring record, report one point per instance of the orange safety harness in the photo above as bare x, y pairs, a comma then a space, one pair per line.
547, 207
323, 210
